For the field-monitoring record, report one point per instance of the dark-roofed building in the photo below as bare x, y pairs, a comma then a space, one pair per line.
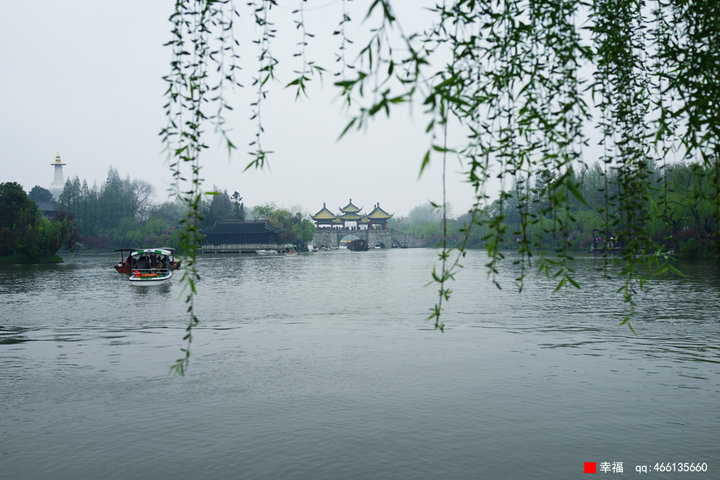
47, 207
239, 236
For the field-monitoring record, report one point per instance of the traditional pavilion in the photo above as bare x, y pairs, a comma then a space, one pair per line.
325, 218
378, 217
350, 213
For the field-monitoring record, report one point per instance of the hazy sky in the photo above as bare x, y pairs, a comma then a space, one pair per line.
84, 78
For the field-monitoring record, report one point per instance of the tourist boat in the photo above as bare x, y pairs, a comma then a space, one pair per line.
358, 245
124, 265
288, 249
150, 266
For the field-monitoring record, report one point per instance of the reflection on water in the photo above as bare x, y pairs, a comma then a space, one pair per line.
152, 290
323, 366
12, 335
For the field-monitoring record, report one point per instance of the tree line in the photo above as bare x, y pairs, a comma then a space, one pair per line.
26, 236
119, 214
679, 214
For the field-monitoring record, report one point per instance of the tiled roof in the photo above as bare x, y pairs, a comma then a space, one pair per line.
239, 227
324, 214
379, 214
350, 208
350, 217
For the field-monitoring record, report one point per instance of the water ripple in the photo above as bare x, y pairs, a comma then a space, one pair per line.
326, 367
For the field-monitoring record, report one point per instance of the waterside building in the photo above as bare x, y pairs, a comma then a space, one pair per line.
239, 237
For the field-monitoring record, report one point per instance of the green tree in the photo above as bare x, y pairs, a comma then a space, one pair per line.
105, 215
238, 208
264, 212
219, 208
25, 235
40, 194
291, 225
69, 231
172, 212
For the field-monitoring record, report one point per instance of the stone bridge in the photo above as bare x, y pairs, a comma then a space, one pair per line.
330, 237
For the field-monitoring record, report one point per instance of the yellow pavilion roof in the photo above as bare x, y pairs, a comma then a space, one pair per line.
350, 208
379, 214
350, 217
324, 214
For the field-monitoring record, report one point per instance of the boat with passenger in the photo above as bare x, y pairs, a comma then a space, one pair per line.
123, 266
150, 266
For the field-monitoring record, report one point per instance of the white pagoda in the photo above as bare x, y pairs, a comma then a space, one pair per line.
58, 183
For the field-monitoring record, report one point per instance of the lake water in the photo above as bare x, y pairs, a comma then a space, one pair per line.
322, 366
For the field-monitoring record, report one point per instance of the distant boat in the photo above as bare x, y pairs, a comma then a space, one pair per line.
124, 265
286, 250
358, 245
150, 266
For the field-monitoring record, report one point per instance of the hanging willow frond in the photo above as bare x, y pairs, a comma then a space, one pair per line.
514, 89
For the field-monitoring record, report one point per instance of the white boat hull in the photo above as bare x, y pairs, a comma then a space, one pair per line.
150, 279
